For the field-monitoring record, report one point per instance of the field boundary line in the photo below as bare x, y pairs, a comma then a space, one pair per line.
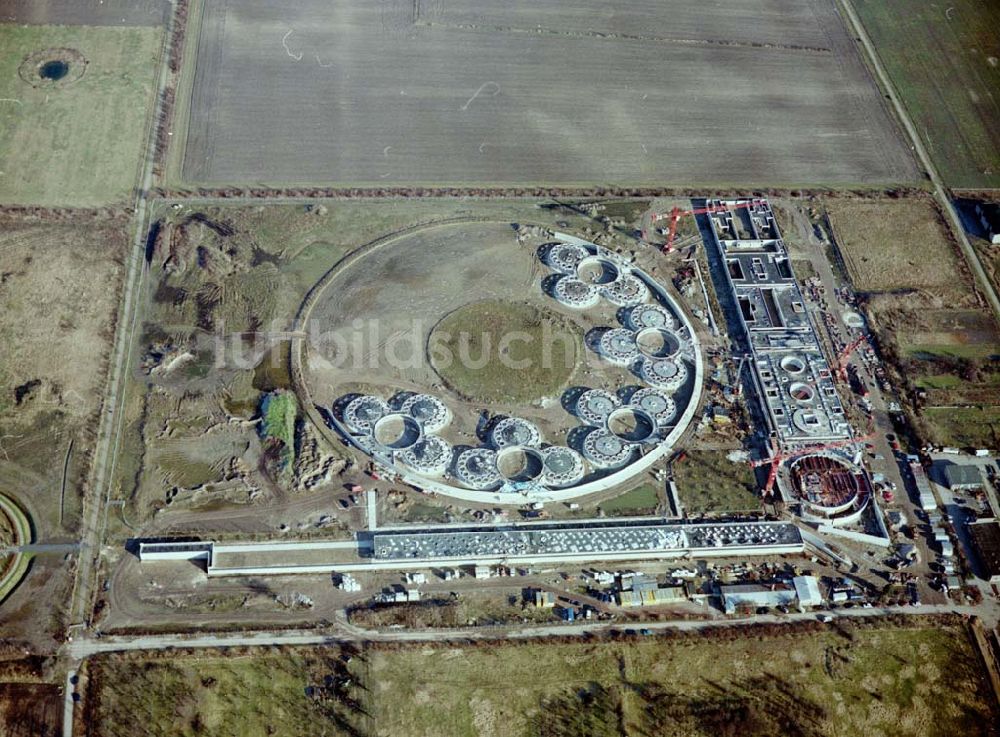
632, 37
173, 157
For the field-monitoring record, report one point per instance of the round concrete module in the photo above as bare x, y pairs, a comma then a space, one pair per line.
566, 257
663, 373
801, 392
827, 484
430, 455
594, 406
515, 431
658, 342
574, 293
606, 450
793, 365
519, 464
655, 403
396, 431
361, 414
651, 316
618, 346
626, 291
562, 466
811, 421
597, 270
428, 410
632, 425
477, 467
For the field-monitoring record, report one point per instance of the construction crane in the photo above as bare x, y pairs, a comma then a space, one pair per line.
677, 213
777, 457
844, 358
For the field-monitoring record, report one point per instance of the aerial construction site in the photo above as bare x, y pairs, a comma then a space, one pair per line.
497, 369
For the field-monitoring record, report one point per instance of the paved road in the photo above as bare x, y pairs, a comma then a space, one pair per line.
112, 416
84, 647
68, 702
940, 191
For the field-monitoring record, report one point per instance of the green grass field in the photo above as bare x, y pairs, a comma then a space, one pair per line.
708, 482
78, 143
944, 60
898, 682
641, 500
280, 410
920, 680
504, 351
238, 697
965, 427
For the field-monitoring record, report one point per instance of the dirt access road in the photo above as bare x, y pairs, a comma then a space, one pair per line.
84, 647
112, 417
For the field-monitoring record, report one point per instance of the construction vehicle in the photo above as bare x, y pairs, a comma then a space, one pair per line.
677, 213
778, 457
844, 358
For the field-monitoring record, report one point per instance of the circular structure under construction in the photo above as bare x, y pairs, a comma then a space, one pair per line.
811, 421
511, 431
574, 293
430, 455
829, 487
566, 257
655, 403
594, 406
396, 431
657, 343
429, 411
632, 425
664, 373
490, 382
650, 316
520, 464
606, 450
362, 413
477, 468
618, 346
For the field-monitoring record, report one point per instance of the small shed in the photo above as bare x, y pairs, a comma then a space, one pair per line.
544, 599
807, 590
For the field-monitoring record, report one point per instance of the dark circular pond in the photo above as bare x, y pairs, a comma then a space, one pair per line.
54, 70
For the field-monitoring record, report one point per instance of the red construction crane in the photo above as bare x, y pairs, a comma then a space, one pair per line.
677, 213
844, 358
777, 457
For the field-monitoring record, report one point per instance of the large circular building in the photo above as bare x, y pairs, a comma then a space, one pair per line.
829, 488
574, 439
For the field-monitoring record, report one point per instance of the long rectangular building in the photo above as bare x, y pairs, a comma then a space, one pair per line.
547, 542
554, 542
791, 375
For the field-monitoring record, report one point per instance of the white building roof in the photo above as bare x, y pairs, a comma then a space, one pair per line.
807, 589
